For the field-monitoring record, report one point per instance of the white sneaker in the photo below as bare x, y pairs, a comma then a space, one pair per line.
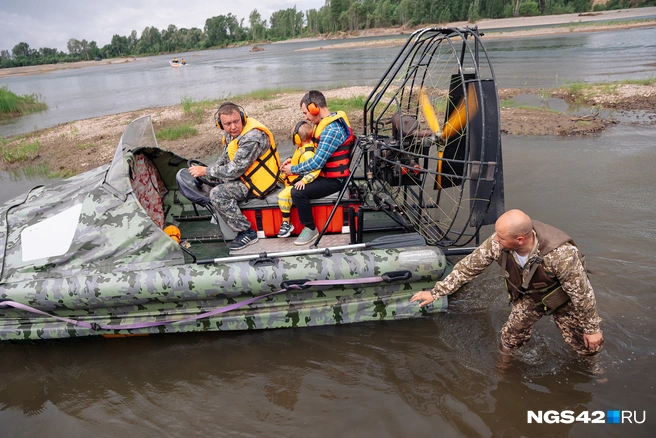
286, 229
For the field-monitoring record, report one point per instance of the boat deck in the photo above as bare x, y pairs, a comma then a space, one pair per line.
285, 244
204, 239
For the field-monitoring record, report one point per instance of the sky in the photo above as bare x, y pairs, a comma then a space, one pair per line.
52, 23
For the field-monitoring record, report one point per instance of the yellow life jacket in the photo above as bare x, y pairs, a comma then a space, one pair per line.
337, 165
262, 175
299, 153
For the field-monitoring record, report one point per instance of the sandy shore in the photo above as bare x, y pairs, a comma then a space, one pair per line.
497, 28
37, 69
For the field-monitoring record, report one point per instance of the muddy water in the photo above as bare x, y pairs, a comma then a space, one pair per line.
438, 376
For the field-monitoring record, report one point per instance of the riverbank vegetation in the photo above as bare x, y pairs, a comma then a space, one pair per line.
12, 104
19, 151
336, 18
188, 129
172, 133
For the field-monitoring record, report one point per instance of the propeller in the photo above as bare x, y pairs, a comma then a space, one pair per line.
458, 118
457, 121
429, 113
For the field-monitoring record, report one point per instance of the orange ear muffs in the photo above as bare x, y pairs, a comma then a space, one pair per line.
295, 136
217, 117
313, 108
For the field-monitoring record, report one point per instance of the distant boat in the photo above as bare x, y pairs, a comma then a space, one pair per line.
177, 64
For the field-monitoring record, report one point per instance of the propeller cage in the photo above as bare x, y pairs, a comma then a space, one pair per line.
445, 184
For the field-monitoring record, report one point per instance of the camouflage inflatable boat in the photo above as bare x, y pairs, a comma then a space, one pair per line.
94, 255
88, 256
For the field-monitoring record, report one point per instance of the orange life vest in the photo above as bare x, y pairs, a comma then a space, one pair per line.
337, 165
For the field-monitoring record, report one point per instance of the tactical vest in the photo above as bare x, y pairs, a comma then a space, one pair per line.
337, 165
296, 160
544, 289
261, 177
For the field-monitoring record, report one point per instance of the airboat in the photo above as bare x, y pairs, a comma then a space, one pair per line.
89, 256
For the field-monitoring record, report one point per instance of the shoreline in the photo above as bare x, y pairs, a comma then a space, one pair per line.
496, 28
47, 68
74, 147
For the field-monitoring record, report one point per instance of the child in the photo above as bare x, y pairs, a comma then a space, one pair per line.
302, 136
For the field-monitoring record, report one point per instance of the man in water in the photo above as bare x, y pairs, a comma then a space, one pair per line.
544, 275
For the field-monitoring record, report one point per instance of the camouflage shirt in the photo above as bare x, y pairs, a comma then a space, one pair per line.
563, 263
251, 145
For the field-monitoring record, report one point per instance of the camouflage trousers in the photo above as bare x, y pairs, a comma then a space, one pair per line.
224, 199
524, 314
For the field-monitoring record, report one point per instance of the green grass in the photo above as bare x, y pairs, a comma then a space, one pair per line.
21, 152
196, 108
12, 104
265, 93
580, 90
35, 171
648, 81
577, 87
355, 103
176, 132
64, 173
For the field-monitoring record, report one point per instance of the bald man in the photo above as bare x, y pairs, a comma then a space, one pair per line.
544, 275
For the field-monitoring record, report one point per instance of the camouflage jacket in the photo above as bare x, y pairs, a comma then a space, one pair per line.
251, 145
563, 262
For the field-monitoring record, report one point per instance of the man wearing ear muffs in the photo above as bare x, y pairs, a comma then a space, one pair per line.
334, 139
248, 167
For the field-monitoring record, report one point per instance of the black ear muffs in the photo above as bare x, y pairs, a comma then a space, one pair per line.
295, 136
313, 108
217, 117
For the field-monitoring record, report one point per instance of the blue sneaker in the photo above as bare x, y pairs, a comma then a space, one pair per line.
243, 239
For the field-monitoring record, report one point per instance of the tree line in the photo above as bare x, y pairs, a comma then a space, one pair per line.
334, 16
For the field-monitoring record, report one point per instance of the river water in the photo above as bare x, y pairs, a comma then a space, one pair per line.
438, 376
536, 62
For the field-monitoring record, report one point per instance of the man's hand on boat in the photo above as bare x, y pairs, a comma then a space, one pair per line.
197, 171
424, 298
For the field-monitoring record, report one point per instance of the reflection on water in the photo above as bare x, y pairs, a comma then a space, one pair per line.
14, 184
442, 375
582, 110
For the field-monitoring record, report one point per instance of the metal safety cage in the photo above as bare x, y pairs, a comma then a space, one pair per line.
432, 122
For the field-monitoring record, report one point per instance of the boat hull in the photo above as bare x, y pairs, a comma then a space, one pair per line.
262, 293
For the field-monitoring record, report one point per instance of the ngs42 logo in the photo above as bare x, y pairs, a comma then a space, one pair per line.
594, 417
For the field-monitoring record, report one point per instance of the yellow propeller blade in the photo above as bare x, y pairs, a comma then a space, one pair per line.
457, 121
429, 112
458, 118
